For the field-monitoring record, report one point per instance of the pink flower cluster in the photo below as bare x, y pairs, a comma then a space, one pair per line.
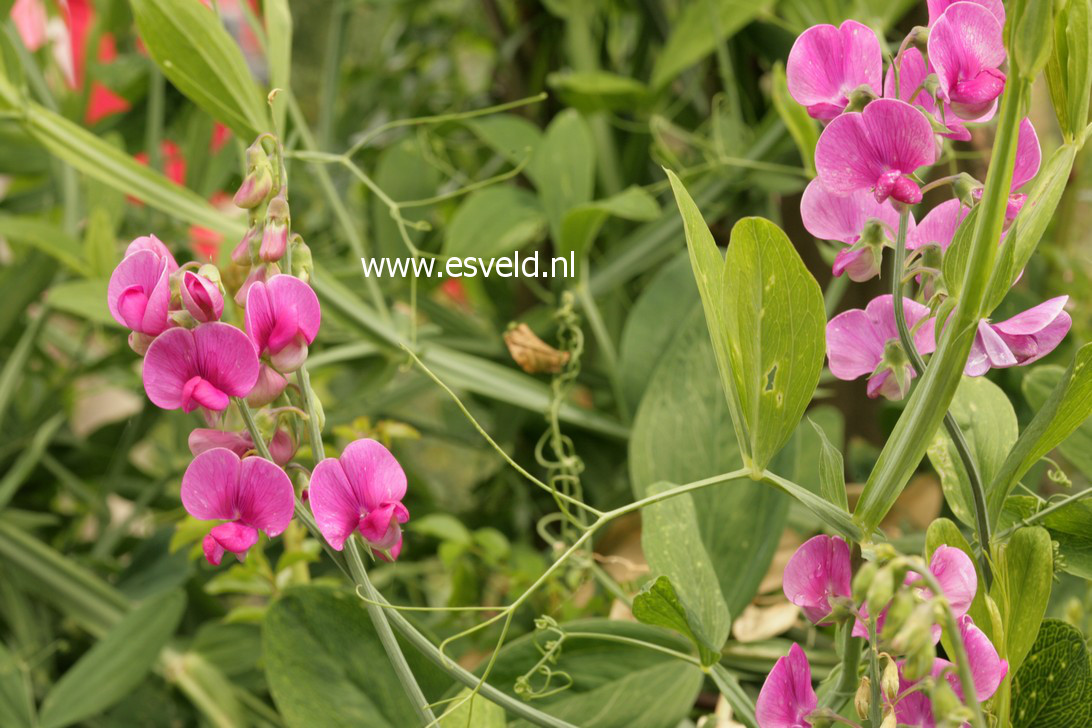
881, 129
818, 580
193, 360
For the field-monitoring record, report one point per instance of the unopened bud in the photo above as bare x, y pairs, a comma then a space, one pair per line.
919, 661
863, 580
862, 700
244, 253
946, 704
889, 681
889, 720
258, 180
918, 37
302, 264
275, 233
202, 297
881, 589
967, 189
269, 386
860, 97
897, 613
916, 632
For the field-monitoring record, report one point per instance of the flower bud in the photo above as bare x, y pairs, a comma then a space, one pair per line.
281, 447
919, 661
259, 274
243, 253
889, 681
862, 700
275, 233
967, 189
258, 181
269, 386
916, 630
139, 342
947, 707
863, 580
860, 97
881, 589
201, 297
897, 613
889, 720
302, 264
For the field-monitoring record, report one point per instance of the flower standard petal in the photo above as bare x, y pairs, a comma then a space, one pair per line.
937, 8
209, 485
955, 573
1029, 155
156, 246
138, 294
854, 348
826, 64
334, 503
168, 366
202, 439
939, 225
264, 498
375, 474
987, 668
225, 357
818, 570
965, 49
787, 697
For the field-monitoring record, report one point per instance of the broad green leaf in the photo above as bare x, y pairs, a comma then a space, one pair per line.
1054, 685
326, 666
1021, 589
1070, 526
403, 174
442, 526
672, 542
581, 224
598, 90
614, 685
195, 52
1018, 246
116, 664
100, 245
701, 25
86, 299
475, 712
802, 128
743, 708
988, 422
16, 692
101, 161
944, 532
511, 136
957, 255
1070, 66
563, 167
1069, 405
832, 476
1037, 386
278, 26
46, 237
494, 221
681, 433
1031, 29
658, 604
766, 318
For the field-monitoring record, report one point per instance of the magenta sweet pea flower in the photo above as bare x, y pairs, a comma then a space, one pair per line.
937, 8
913, 71
360, 491
251, 494
826, 64
201, 367
855, 219
282, 317
787, 697
1029, 155
201, 297
269, 386
861, 343
876, 150
819, 570
939, 225
1020, 340
154, 244
139, 293
202, 440
965, 50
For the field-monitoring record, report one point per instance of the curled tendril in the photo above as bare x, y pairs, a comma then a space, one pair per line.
549, 681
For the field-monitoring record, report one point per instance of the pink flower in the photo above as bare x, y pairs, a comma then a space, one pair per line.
819, 570
1020, 340
154, 244
29, 17
937, 8
876, 149
201, 440
360, 491
987, 671
269, 386
251, 494
282, 318
787, 697
859, 342
954, 572
913, 71
1029, 155
201, 297
139, 293
855, 219
202, 367
826, 64
939, 226
965, 50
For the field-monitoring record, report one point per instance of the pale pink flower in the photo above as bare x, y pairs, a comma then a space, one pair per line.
787, 697
966, 49
818, 570
826, 64
1020, 340
251, 495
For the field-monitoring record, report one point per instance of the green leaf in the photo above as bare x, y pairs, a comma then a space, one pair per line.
671, 540
658, 605
598, 90
194, 50
986, 417
1070, 67
1032, 31
16, 692
206, 686
832, 476
511, 136
442, 526
46, 237
326, 666
116, 664
743, 708
802, 128
1070, 526
681, 433
1069, 405
957, 256
278, 26
614, 685
1021, 588
494, 221
1054, 686
1077, 447
100, 244
563, 167
581, 224
477, 712
766, 318
86, 299
696, 32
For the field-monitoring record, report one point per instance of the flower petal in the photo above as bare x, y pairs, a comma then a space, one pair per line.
854, 348
965, 49
787, 696
209, 485
829, 216
264, 498
202, 439
826, 64
818, 570
233, 536
375, 474
171, 361
1035, 319
937, 8
334, 503
939, 225
955, 573
156, 246
1029, 155
987, 668
226, 358
144, 273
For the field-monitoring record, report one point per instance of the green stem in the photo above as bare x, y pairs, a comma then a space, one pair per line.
978, 492
1040, 515
606, 344
851, 658
875, 702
